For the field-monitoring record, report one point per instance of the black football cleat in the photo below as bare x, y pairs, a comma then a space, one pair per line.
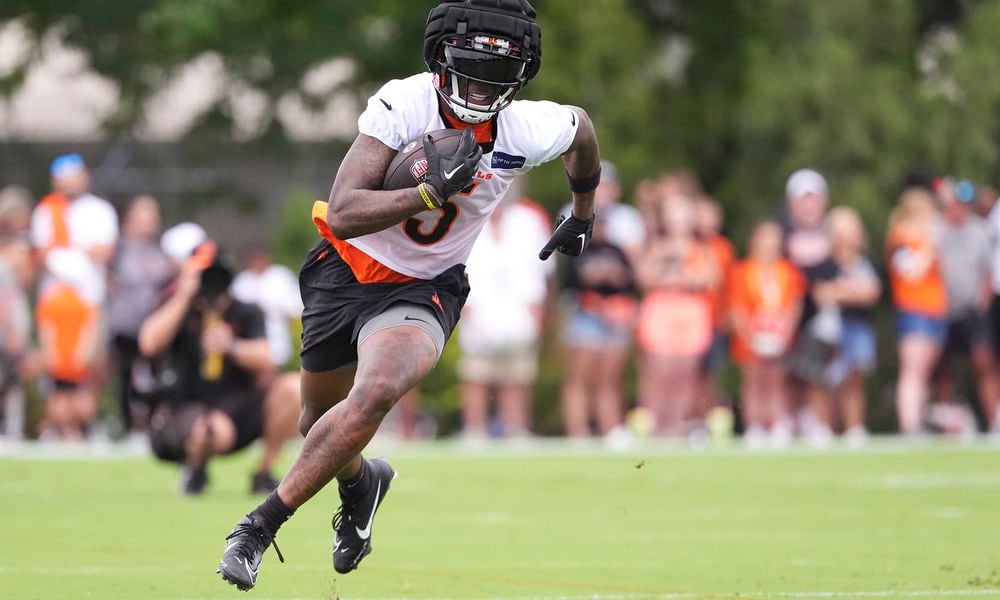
245, 548
353, 521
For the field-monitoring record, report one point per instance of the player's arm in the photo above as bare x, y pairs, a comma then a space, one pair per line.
358, 205
583, 163
583, 169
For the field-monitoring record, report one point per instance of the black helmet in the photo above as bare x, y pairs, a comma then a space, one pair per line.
493, 43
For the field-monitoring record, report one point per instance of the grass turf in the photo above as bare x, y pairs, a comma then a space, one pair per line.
550, 523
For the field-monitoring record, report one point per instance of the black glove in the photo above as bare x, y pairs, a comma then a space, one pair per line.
448, 175
571, 237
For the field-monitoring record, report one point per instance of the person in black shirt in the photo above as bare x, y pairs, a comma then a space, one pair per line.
218, 390
601, 302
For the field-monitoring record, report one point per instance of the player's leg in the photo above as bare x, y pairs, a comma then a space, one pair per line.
390, 362
392, 358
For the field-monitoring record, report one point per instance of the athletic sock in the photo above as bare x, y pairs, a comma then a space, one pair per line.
274, 512
358, 483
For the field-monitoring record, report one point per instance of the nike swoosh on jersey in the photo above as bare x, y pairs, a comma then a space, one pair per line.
367, 531
386, 104
409, 318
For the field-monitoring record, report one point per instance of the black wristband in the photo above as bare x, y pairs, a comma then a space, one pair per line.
584, 185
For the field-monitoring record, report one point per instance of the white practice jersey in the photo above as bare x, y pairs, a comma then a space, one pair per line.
524, 135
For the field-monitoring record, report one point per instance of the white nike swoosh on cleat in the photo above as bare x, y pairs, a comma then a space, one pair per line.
252, 572
367, 531
449, 174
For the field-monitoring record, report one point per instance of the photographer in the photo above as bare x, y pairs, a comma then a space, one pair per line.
213, 357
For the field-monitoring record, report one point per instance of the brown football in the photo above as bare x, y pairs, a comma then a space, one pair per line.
409, 166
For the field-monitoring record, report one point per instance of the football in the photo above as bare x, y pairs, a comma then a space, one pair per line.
407, 169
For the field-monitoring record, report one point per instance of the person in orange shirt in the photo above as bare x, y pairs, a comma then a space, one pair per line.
765, 301
676, 272
709, 230
67, 325
920, 299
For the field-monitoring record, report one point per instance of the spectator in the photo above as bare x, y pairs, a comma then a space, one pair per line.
600, 299
965, 251
275, 290
68, 331
502, 319
919, 298
213, 349
848, 297
676, 273
72, 217
986, 202
765, 299
599, 315
16, 277
139, 270
807, 245
709, 230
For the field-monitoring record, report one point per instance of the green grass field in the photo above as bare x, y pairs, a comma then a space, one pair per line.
548, 523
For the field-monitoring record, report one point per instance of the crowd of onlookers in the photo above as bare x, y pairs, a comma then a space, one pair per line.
662, 288
90, 302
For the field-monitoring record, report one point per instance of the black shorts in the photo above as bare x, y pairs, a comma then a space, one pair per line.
971, 330
170, 425
337, 306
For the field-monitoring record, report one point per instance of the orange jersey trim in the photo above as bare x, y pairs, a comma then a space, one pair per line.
365, 268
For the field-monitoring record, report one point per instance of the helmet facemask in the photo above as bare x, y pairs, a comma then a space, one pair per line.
481, 78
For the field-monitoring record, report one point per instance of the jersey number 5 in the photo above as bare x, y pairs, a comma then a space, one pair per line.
415, 228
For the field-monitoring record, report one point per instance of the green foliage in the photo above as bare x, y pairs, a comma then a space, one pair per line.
296, 234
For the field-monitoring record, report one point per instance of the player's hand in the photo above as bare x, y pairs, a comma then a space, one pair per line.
450, 174
571, 237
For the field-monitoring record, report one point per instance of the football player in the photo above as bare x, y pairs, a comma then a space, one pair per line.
385, 287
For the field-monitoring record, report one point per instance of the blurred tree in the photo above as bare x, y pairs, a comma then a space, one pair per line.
266, 45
